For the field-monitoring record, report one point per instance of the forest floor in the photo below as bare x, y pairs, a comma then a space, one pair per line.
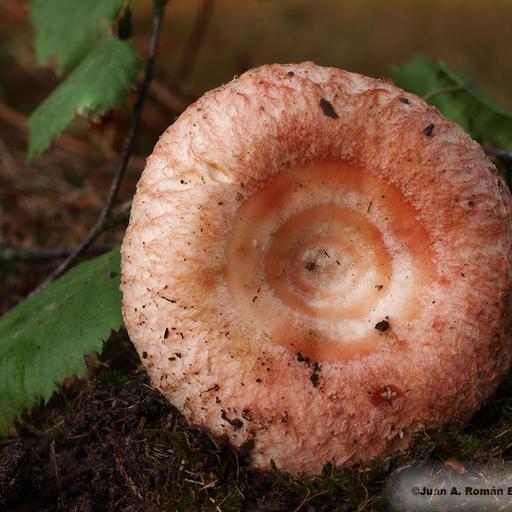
112, 442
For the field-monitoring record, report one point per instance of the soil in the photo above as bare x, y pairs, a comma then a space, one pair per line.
111, 442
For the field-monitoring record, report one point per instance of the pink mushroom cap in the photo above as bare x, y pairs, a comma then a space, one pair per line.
317, 266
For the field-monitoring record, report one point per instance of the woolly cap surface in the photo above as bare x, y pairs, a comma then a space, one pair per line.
317, 266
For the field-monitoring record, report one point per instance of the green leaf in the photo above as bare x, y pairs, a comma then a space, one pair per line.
473, 90
100, 82
458, 99
488, 121
419, 75
44, 339
66, 29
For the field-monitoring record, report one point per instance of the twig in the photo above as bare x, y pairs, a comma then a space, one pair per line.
443, 90
53, 459
309, 497
35, 255
121, 215
122, 470
103, 219
505, 155
128, 479
189, 55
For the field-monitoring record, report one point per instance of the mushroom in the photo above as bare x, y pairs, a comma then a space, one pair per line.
317, 266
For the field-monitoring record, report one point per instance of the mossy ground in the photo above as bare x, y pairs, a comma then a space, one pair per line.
112, 442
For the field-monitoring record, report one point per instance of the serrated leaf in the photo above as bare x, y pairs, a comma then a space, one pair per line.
458, 99
66, 29
44, 339
100, 82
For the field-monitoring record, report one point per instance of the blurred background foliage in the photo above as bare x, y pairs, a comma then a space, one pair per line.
367, 36
205, 43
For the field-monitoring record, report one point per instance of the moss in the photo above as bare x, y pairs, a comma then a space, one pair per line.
120, 446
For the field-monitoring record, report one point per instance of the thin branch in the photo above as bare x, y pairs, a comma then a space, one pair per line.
53, 458
40, 255
505, 155
443, 90
103, 219
193, 45
7, 254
